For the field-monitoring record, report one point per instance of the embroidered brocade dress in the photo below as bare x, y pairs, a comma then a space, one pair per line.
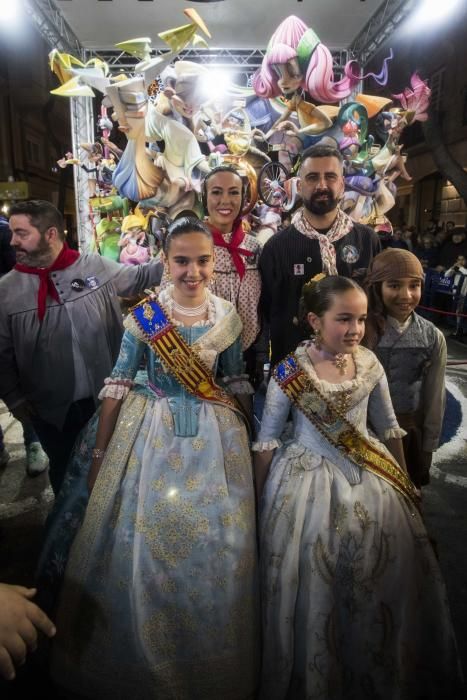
159, 598
354, 606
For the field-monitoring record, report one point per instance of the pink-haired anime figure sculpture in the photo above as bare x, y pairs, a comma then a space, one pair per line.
295, 58
297, 61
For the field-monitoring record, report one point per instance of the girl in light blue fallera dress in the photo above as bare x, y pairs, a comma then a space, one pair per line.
159, 598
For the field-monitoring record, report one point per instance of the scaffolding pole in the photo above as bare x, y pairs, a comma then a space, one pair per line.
58, 34
82, 131
53, 27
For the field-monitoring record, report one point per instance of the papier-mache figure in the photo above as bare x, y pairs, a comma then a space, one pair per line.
297, 61
371, 174
137, 176
185, 90
98, 168
186, 98
133, 241
161, 175
178, 131
107, 239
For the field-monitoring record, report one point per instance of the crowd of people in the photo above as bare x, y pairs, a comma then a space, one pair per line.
438, 247
442, 251
190, 554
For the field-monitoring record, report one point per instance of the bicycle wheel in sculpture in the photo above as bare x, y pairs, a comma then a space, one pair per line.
271, 184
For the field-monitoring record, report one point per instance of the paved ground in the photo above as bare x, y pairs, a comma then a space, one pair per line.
445, 499
25, 501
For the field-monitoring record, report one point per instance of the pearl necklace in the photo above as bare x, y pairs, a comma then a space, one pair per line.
191, 310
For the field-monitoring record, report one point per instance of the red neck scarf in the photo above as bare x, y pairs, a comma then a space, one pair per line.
65, 258
238, 234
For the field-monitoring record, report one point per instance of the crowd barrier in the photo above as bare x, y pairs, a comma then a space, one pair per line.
444, 299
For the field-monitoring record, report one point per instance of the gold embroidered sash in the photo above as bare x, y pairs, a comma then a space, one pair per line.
178, 356
333, 425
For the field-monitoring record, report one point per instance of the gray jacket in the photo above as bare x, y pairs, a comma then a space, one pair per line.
415, 362
38, 360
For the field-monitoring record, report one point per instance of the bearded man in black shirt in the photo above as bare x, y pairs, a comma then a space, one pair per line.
321, 238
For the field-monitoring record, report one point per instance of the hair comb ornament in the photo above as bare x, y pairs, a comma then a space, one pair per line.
314, 280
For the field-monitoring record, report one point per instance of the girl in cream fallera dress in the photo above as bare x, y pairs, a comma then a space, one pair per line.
354, 605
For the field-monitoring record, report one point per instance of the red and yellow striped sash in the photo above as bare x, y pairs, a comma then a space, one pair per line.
333, 425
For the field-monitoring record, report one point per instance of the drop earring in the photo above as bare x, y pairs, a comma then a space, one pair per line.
317, 339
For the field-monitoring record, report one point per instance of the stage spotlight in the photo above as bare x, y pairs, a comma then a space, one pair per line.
431, 11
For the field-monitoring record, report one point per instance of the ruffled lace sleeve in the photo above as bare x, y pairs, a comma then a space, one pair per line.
118, 385
381, 413
276, 410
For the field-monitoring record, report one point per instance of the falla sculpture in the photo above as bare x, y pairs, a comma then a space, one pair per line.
176, 128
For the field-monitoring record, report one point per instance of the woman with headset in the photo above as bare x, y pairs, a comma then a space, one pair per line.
236, 277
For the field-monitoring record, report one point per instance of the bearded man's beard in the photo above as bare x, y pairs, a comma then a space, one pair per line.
320, 203
41, 257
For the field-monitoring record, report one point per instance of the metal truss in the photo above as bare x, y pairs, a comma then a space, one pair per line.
58, 34
52, 25
82, 131
242, 60
245, 61
379, 27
